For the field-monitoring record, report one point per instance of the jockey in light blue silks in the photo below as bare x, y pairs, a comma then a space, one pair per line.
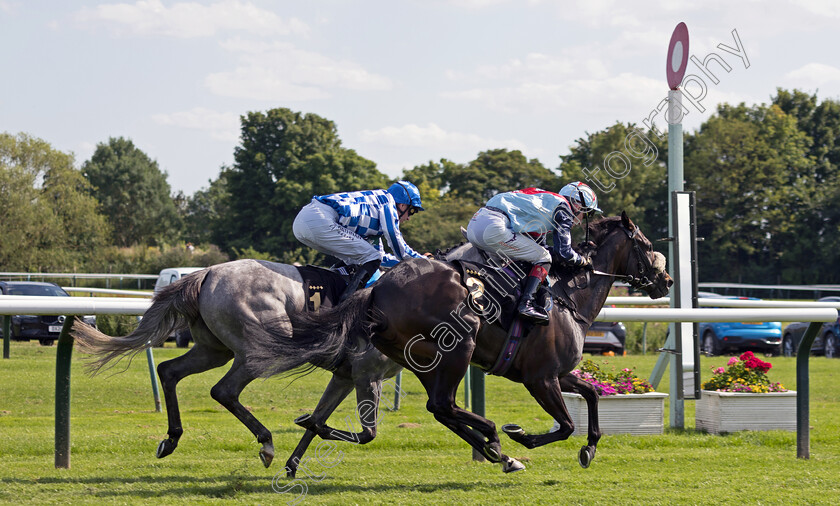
515, 225
341, 224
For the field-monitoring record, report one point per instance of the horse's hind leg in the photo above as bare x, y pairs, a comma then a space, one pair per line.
476, 430
337, 390
226, 392
198, 359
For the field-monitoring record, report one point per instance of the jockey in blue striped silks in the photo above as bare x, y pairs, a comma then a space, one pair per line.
343, 225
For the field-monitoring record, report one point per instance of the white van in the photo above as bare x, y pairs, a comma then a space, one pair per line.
167, 277
173, 274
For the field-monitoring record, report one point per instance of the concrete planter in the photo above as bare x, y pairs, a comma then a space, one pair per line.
619, 414
718, 412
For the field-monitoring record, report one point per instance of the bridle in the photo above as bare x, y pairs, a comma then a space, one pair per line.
647, 273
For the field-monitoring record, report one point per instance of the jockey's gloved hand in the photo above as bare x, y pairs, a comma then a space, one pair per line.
583, 263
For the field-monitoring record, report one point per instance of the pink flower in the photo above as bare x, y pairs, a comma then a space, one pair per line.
719, 370
732, 360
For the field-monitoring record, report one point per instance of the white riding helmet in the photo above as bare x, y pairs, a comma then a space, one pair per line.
581, 197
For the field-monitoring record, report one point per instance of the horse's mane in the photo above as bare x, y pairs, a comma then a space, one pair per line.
602, 226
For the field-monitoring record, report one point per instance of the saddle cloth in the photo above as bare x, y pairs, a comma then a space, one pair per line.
495, 291
322, 287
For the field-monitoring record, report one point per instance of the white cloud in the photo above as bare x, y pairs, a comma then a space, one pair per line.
223, 126
433, 136
190, 19
814, 74
280, 71
830, 8
620, 93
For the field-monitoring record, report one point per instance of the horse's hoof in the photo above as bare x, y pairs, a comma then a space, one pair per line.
492, 454
304, 421
165, 447
512, 465
512, 429
267, 454
587, 453
290, 472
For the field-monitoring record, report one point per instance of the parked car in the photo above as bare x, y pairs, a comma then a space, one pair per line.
167, 277
605, 337
826, 343
44, 328
719, 337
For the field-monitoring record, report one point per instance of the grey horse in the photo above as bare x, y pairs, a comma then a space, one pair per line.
238, 310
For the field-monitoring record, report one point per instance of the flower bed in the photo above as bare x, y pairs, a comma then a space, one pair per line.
742, 397
628, 404
744, 374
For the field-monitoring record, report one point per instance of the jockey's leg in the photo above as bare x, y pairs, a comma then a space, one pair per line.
360, 278
528, 307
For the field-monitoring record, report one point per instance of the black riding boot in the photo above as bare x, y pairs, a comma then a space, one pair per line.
528, 306
362, 275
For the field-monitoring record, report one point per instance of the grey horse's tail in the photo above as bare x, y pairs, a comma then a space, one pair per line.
172, 310
323, 339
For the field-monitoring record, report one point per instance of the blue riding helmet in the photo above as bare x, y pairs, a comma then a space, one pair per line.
406, 193
581, 196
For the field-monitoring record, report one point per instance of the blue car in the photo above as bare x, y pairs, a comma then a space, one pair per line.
827, 341
720, 337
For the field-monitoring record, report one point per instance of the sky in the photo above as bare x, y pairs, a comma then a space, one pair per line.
405, 81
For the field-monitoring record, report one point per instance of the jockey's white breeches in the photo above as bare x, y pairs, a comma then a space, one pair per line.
490, 231
316, 225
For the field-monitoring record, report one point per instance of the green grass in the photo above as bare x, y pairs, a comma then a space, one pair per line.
115, 432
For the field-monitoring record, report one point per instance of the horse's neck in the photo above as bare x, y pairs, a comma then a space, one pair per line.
590, 300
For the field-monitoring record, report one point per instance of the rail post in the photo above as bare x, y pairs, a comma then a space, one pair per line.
64, 352
7, 334
803, 410
477, 387
155, 392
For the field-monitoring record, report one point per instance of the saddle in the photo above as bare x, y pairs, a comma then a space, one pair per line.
495, 291
494, 296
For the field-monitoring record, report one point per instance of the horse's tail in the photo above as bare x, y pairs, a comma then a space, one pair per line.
172, 310
320, 339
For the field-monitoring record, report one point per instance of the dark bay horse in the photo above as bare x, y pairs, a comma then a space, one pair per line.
417, 314
238, 310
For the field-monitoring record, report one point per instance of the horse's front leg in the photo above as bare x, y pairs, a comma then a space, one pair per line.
547, 392
337, 390
367, 407
571, 383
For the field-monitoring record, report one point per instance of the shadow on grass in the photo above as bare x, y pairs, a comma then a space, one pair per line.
229, 485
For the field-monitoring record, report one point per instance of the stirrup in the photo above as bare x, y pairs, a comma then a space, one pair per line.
533, 314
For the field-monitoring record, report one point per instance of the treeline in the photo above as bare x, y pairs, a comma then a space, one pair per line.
766, 178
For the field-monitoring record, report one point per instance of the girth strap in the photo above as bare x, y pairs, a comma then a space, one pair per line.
511, 346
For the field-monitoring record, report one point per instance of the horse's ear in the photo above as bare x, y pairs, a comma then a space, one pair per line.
625, 220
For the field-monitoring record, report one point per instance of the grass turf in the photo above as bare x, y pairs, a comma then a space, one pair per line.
115, 431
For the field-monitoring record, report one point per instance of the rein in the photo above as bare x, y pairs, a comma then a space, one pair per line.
639, 282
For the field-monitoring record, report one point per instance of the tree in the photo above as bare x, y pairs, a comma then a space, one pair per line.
204, 211
50, 221
817, 216
133, 193
285, 158
494, 171
639, 158
749, 167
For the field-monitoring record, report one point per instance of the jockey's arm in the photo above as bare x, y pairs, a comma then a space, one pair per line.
391, 230
562, 237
